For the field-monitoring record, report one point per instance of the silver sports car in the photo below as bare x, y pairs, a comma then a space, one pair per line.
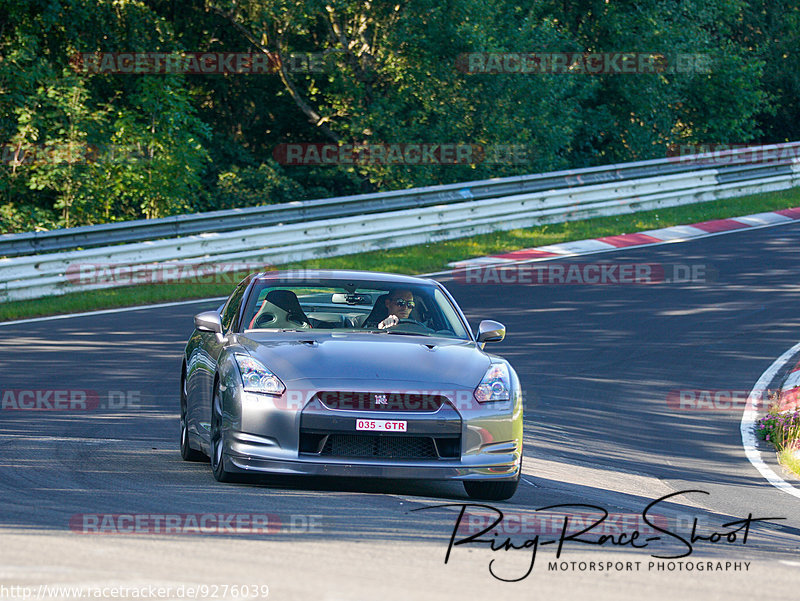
347, 373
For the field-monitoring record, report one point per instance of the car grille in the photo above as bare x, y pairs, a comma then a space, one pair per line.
399, 447
381, 401
380, 446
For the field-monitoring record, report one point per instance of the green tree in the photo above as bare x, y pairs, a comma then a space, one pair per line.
156, 157
393, 78
162, 144
770, 31
636, 116
149, 155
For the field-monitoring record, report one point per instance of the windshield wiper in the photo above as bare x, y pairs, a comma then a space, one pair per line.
405, 333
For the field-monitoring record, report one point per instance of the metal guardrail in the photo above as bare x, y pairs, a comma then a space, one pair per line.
736, 168
518, 202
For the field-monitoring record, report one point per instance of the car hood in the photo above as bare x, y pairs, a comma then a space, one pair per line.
369, 357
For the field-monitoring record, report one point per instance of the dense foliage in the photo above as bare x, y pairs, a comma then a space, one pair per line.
104, 146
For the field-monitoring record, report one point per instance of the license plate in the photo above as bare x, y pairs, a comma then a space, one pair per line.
381, 425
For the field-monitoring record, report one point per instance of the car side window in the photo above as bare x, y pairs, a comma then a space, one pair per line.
232, 307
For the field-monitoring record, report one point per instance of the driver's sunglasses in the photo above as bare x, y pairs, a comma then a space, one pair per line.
401, 302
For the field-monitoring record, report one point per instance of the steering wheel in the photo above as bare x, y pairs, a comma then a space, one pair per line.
412, 322
409, 320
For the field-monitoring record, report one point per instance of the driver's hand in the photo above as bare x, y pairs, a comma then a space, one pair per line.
390, 321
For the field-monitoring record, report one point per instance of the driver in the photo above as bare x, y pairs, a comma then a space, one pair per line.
400, 303
396, 305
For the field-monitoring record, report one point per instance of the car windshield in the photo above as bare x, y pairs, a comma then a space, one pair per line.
364, 306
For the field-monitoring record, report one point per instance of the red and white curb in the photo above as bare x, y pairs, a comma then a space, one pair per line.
678, 233
790, 390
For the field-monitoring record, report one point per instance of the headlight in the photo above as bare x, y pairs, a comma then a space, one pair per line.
495, 386
257, 378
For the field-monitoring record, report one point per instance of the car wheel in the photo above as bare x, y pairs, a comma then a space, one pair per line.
217, 459
187, 452
491, 491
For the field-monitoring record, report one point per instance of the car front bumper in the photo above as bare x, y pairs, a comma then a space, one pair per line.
497, 467
263, 436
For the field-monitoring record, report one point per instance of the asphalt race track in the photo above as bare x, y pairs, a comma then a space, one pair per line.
601, 366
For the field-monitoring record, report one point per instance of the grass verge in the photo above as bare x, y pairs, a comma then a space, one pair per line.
788, 459
423, 258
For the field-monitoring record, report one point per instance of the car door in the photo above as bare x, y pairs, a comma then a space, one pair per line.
207, 356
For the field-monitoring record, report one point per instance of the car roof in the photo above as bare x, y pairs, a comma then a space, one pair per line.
304, 275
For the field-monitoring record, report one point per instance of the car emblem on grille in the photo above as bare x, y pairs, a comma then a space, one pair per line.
380, 399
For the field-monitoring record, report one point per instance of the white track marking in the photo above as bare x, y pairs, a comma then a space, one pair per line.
577, 247
763, 218
110, 311
749, 419
676, 232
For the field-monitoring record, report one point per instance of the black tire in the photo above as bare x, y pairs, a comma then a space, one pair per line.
187, 452
217, 457
491, 491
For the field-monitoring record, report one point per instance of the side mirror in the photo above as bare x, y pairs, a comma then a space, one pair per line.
491, 331
209, 321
